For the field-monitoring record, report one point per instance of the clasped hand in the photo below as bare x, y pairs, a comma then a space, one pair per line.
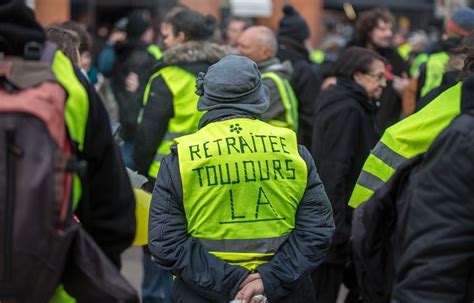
250, 287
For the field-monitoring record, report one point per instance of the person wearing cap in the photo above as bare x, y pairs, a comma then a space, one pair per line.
133, 65
170, 111
238, 209
108, 214
430, 74
293, 31
259, 44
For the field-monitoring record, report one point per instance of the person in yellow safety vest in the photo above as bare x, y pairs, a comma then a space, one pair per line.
431, 73
404, 51
111, 217
405, 140
259, 44
170, 110
170, 102
238, 208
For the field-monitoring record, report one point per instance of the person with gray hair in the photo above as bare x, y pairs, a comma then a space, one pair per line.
238, 199
259, 44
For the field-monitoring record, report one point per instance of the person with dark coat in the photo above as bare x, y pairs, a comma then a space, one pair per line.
133, 61
437, 259
170, 110
233, 94
189, 50
344, 133
293, 31
374, 31
107, 211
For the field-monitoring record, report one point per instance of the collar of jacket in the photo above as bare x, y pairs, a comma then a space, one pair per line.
284, 68
357, 92
195, 51
224, 114
467, 95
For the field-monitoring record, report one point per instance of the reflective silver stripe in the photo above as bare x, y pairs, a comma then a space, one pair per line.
369, 181
388, 156
262, 246
172, 136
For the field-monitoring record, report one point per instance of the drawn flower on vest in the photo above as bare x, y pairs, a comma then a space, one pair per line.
235, 128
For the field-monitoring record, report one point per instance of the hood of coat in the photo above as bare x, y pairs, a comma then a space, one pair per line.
195, 51
290, 49
346, 90
284, 69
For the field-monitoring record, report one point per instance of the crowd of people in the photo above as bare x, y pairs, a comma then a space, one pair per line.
278, 172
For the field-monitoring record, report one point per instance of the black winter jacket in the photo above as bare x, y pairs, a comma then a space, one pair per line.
389, 111
305, 82
202, 277
111, 200
344, 133
437, 263
132, 56
194, 57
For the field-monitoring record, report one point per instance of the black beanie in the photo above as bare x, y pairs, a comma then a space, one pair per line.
292, 25
138, 22
18, 26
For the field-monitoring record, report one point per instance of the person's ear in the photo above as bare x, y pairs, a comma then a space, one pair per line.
181, 37
266, 52
358, 76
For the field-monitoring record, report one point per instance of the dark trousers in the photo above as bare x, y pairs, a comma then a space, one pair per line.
327, 280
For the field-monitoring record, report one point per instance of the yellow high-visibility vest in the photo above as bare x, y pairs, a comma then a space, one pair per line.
435, 67
404, 140
182, 85
289, 100
243, 180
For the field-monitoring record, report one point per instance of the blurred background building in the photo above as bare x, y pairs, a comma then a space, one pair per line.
414, 14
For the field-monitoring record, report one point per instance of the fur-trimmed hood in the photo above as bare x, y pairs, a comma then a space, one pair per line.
196, 51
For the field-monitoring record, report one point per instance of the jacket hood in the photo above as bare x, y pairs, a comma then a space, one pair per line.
195, 51
284, 69
290, 49
344, 90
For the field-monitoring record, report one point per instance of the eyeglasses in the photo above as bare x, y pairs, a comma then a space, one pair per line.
379, 78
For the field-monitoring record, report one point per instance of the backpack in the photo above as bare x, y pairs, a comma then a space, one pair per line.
41, 243
377, 230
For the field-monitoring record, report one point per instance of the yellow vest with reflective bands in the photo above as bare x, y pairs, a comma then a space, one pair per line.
289, 100
155, 51
77, 108
404, 140
435, 66
76, 115
182, 85
242, 181
404, 51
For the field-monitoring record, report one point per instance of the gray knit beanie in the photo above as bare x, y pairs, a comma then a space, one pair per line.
462, 21
233, 82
